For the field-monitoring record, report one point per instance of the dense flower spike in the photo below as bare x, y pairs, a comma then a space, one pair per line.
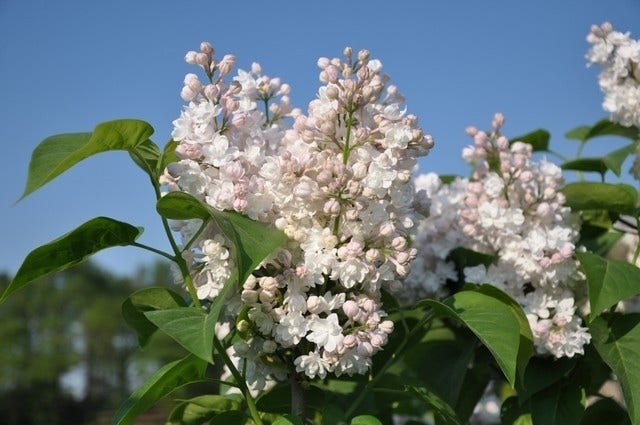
618, 55
512, 211
336, 181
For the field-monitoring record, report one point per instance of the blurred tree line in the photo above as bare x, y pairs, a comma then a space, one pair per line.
66, 354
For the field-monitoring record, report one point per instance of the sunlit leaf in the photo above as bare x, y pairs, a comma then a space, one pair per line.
620, 198
252, 240
191, 327
58, 153
166, 380
72, 248
492, 320
148, 299
617, 339
365, 420
609, 281
200, 409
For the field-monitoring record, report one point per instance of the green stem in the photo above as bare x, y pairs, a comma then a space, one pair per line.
241, 384
347, 138
154, 250
636, 253
396, 354
184, 270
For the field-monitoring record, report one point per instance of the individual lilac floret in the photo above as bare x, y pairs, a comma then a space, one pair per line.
510, 209
337, 182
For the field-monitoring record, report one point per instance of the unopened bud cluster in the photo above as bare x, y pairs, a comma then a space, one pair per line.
511, 210
337, 181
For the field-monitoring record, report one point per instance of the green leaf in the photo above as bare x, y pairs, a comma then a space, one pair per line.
609, 281
615, 159
168, 155
232, 417
602, 243
543, 372
147, 156
538, 139
200, 409
492, 320
512, 413
148, 299
162, 383
443, 378
287, 420
558, 405
56, 154
190, 327
605, 127
465, 257
620, 198
365, 420
525, 349
252, 240
605, 411
578, 133
72, 248
444, 413
617, 340
596, 165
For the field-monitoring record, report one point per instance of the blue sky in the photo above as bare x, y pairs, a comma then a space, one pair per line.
68, 65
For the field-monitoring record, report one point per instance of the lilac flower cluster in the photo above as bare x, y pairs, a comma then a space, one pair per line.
511, 209
618, 55
336, 181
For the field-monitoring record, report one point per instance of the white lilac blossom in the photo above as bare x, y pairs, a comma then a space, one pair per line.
336, 181
511, 210
618, 56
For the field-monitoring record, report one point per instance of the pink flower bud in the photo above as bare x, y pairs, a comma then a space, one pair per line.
332, 207
205, 47
351, 309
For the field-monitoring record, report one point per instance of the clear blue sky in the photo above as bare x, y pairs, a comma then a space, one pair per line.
68, 65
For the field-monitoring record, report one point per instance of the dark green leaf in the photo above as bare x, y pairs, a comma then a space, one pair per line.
365, 420
602, 243
605, 411
617, 339
443, 378
252, 240
538, 139
492, 320
620, 198
162, 383
232, 417
543, 372
148, 299
512, 413
609, 281
200, 409
464, 257
189, 326
596, 165
441, 409
558, 405
605, 127
72, 248
56, 154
